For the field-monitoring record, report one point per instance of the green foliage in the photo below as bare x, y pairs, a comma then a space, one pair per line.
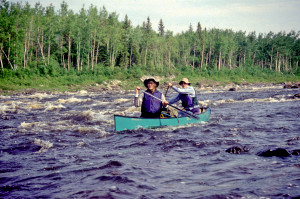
68, 48
74, 80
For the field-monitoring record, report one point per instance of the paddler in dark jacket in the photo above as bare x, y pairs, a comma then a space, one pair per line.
150, 107
187, 95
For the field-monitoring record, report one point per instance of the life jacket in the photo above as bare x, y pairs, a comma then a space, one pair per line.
189, 102
151, 107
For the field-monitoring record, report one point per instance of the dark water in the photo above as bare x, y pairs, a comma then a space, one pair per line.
64, 146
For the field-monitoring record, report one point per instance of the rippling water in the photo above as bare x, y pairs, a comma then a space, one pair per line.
62, 145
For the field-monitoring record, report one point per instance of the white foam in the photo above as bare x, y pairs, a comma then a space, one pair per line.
10, 106
44, 144
82, 92
224, 101
270, 99
85, 129
80, 144
204, 103
4, 108
121, 100
71, 100
50, 106
133, 109
35, 106
26, 125
40, 95
89, 114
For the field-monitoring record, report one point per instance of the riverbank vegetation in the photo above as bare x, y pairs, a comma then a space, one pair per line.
44, 48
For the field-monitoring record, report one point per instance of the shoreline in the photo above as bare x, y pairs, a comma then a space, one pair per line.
116, 87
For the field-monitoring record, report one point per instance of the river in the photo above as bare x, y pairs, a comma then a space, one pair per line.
63, 145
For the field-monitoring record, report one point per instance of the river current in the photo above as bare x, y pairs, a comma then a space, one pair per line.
63, 145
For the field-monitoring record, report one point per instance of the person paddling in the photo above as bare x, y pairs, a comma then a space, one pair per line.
150, 107
187, 95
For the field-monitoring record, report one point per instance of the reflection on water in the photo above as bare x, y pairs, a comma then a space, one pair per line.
62, 145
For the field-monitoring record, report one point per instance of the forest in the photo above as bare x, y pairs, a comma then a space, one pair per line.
49, 41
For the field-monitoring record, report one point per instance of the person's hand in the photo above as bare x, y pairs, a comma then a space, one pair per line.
137, 89
165, 103
170, 84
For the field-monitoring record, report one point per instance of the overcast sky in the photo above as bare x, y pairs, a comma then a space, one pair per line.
261, 16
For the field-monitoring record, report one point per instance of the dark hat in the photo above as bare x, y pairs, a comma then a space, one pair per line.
151, 79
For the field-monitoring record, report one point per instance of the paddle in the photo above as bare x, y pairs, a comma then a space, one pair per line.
166, 91
185, 112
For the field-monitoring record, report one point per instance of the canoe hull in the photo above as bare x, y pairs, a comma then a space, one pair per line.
129, 123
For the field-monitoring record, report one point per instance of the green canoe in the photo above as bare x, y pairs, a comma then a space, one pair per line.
130, 123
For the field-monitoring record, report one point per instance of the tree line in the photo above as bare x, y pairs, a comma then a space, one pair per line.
32, 36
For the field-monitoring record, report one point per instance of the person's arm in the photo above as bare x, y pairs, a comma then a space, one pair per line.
188, 90
163, 98
174, 99
138, 99
164, 101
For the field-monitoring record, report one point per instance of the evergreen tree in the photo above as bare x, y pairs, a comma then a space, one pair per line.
191, 30
148, 26
161, 28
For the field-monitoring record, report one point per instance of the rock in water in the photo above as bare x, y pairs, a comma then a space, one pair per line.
297, 95
296, 152
237, 150
287, 85
232, 89
279, 152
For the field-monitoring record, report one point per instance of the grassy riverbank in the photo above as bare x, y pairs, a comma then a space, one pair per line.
55, 79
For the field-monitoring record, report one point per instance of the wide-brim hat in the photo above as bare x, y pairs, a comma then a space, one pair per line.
150, 79
185, 80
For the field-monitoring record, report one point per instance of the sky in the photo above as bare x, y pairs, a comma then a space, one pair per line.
261, 16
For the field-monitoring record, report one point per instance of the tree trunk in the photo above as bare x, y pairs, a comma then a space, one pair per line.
114, 53
286, 63
8, 54
93, 50
130, 58
145, 61
49, 49
16, 57
28, 43
97, 53
1, 62
276, 61
78, 55
202, 58
7, 58
61, 52
220, 61
279, 63
25, 51
209, 56
69, 52
230, 57
169, 59
253, 59
41, 45
63, 60
194, 55
271, 64
88, 60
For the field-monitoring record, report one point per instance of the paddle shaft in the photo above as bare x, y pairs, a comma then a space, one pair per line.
185, 112
166, 92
